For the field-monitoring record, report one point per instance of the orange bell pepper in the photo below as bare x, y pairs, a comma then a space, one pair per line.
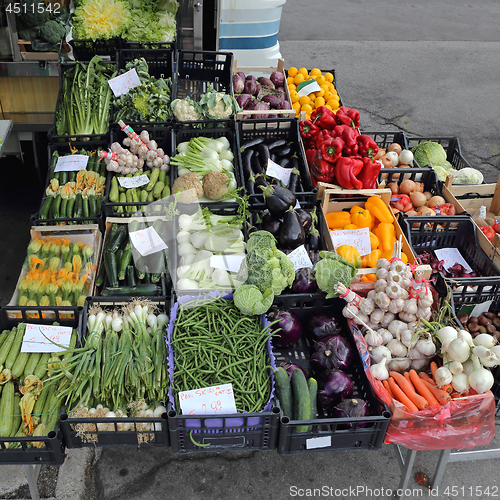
388, 255
338, 220
379, 209
386, 234
371, 259
368, 277
351, 226
374, 241
361, 217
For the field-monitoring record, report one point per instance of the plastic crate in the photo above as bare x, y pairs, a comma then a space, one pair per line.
225, 432
196, 72
449, 232
92, 436
163, 135
161, 65
385, 139
329, 433
86, 49
52, 451
52, 134
269, 130
226, 129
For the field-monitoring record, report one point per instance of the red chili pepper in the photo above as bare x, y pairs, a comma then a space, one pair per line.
346, 171
488, 231
308, 129
324, 118
331, 149
366, 145
369, 174
321, 170
348, 116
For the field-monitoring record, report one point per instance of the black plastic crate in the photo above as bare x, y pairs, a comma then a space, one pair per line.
329, 433
224, 432
226, 129
52, 447
425, 175
269, 130
385, 139
52, 133
86, 49
110, 435
163, 135
447, 231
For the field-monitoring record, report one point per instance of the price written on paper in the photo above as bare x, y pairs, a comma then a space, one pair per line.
452, 256
42, 338
359, 238
147, 241
215, 400
70, 163
121, 84
132, 182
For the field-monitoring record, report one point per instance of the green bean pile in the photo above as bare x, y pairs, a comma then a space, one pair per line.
215, 344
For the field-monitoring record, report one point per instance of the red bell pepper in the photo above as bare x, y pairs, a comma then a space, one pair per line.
308, 129
346, 171
332, 149
310, 154
488, 231
323, 135
324, 118
321, 170
347, 116
369, 174
366, 146
348, 135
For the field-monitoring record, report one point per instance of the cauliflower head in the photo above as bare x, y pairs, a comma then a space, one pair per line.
185, 110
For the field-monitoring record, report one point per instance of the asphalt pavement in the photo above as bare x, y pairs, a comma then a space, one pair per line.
430, 69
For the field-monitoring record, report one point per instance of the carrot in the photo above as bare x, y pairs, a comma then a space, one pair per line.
426, 377
448, 388
442, 396
407, 387
422, 389
384, 393
434, 368
407, 376
401, 396
386, 385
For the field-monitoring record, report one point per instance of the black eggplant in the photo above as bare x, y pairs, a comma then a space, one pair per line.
284, 163
260, 180
250, 184
251, 143
294, 180
271, 224
246, 162
278, 200
292, 233
305, 217
278, 143
284, 151
256, 165
263, 154
313, 239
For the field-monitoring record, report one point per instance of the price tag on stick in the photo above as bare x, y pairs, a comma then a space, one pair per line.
42, 338
215, 400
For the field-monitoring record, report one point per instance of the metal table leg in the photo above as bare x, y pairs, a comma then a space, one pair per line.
32, 472
406, 466
444, 457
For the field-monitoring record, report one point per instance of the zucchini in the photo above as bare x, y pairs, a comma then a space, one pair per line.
163, 176
111, 270
20, 364
144, 290
70, 206
284, 391
114, 194
92, 205
78, 210
85, 207
301, 400
130, 276
72, 176
50, 402
63, 178
16, 347
312, 385
7, 403
45, 210
7, 345
63, 208
158, 190
125, 260
54, 208
41, 367
154, 178
32, 363
116, 241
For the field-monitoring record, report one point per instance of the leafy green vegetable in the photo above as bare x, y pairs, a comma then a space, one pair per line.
331, 269
429, 153
468, 176
52, 31
249, 300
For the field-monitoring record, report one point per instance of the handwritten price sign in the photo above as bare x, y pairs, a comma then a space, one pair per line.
147, 241
278, 172
359, 238
70, 163
300, 258
132, 182
215, 400
121, 84
452, 256
39, 338
231, 263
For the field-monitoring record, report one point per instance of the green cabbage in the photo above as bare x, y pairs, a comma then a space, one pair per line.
429, 153
468, 176
332, 269
249, 300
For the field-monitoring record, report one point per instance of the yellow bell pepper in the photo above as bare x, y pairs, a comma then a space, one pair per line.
379, 209
361, 217
351, 226
338, 220
371, 259
386, 234
388, 255
374, 241
368, 277
349, 253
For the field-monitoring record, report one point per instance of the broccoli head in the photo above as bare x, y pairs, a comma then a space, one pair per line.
52, 32
32, 16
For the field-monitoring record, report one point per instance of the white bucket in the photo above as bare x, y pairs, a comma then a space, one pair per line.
249, 29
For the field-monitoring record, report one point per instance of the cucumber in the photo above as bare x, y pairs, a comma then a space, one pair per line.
301, 400
312, 385
111, 269
284, 391
144, 290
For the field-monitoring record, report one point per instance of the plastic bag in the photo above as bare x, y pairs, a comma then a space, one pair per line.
465, 423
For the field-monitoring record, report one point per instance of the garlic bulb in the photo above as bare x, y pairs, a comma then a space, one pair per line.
419, 364
376, 316
371, 294
398, 266
411, 306
399, 365
379, 370
406, 337
381, 273
382, 300
426, 346
387, 319
380, 286
396, 305
373, 338
349, 311
383, 263
398, 350
367, 306
393, 291
386, 335
379, 352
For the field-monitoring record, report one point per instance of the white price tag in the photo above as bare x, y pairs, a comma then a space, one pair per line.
215, 400
40, 338
121, 84
481, 308
305, 88
319, 442
230, 263
70, 163
300, 258
452, 256
359, 238
278, 172
147, 241
133, 182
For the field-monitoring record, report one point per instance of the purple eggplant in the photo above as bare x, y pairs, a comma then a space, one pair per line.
261, 106
334, 386
250, 78
332, 352
238, 84
288, 327
241, 74
250, 87
305, 218
305, 281
277, 78
244, 100
351, 408
321, 325
271, 224
273, 100
257, 89
266, 82
292, 232
285, 105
